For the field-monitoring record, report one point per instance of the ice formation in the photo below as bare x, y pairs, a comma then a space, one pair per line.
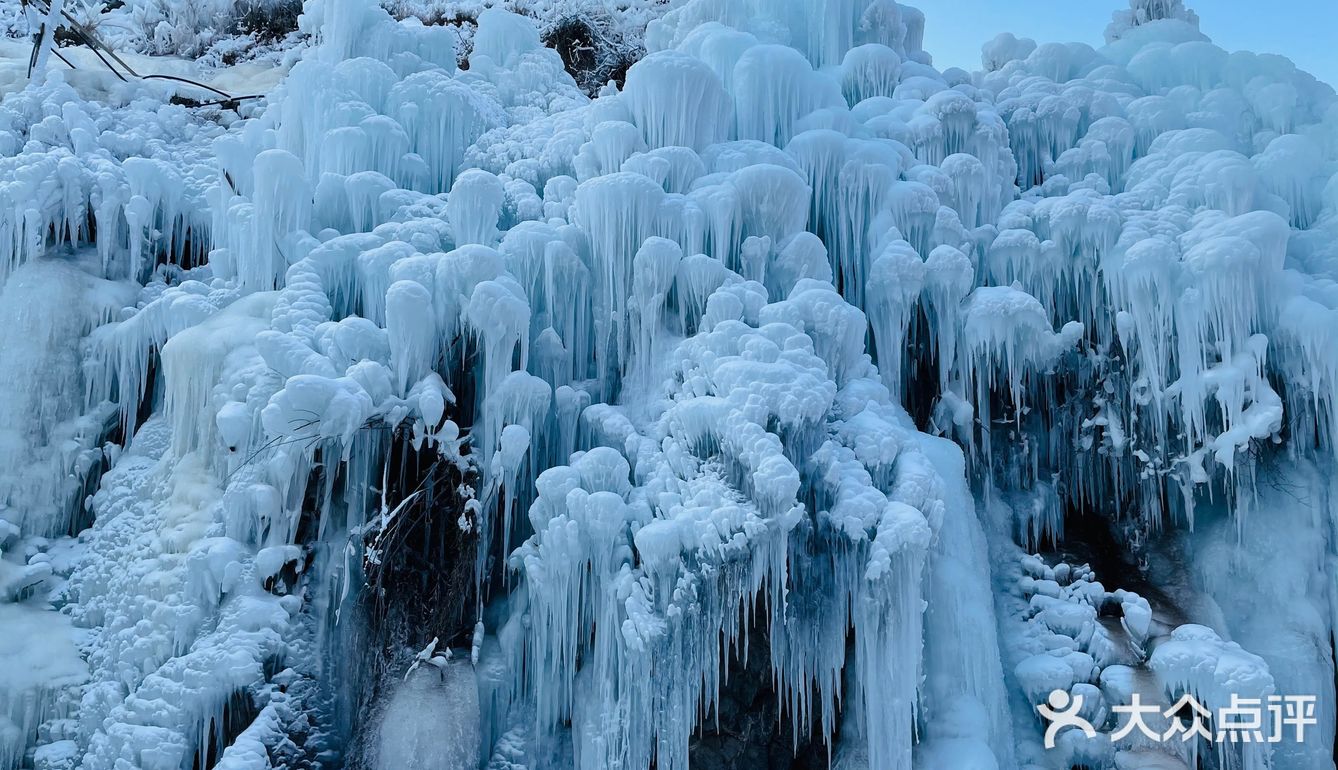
429, 416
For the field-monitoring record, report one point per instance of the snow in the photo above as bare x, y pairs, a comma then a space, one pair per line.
37, 657
679, 347
431, 722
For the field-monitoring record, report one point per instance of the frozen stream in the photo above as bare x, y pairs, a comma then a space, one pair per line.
431, 721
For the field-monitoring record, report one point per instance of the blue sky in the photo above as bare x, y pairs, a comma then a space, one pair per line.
1305, 31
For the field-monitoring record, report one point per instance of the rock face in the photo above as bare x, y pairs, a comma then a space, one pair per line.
749, 729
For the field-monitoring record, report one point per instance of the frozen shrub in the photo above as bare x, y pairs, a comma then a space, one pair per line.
594, 47
267, 21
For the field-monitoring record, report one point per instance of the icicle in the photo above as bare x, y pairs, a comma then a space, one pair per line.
868, 71
474, 208
676, 100
412, 333
895, 281
619, 211
774, 87
193, 362
282, 206
654, 267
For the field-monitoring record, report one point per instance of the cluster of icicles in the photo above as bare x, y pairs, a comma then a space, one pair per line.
683, 311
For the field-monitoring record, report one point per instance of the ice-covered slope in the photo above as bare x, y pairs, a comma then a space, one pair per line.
748, 386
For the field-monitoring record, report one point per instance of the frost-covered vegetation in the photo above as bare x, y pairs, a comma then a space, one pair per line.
683, 385
598, 41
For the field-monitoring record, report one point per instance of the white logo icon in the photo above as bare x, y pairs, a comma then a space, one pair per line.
1061, 709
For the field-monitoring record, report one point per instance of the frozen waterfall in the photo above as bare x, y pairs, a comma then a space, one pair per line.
784, 402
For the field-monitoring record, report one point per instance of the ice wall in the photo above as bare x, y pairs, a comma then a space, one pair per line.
51, 454
669, 342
